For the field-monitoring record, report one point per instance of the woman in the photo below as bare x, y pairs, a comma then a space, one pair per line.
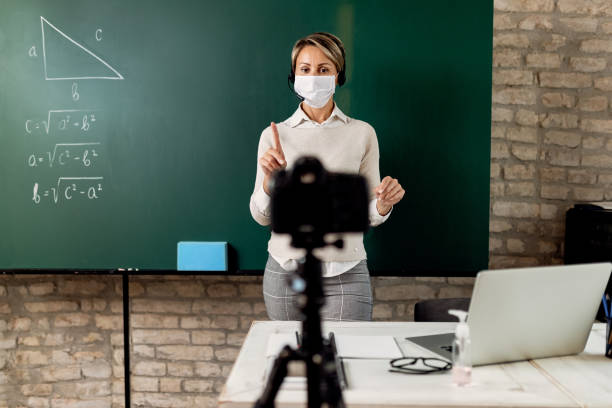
342, 144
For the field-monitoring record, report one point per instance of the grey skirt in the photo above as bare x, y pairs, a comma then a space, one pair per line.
347, 296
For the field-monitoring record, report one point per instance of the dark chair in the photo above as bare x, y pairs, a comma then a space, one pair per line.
436, 310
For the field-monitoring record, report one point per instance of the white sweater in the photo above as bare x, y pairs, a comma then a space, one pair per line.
342, 144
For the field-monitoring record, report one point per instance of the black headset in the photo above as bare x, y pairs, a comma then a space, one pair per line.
341, 74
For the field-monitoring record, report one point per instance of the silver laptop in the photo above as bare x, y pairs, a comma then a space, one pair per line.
527, 313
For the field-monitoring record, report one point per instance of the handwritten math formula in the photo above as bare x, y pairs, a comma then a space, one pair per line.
60, 157
69, 188
62, 120
64, 154
67, 155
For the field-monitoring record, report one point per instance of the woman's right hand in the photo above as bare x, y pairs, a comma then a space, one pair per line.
273, 159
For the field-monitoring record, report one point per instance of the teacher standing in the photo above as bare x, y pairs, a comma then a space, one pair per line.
319, 128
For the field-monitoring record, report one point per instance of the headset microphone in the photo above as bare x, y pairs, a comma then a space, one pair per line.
291, 80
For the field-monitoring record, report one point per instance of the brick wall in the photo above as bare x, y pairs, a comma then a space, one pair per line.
61, 342
551, 141
61, 338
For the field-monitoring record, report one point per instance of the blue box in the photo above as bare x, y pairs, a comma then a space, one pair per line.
202, 256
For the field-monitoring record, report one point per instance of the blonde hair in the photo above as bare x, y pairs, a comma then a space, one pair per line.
331, 46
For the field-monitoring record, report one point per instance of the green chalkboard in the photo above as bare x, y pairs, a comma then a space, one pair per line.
127, 126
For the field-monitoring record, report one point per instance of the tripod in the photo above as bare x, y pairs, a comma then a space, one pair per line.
307, 203
323, 388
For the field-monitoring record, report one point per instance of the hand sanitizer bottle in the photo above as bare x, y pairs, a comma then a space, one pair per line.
462, 356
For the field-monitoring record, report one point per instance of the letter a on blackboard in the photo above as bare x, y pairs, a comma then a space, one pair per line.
66, 59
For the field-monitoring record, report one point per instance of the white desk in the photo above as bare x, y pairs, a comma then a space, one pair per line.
586, 377
574, 381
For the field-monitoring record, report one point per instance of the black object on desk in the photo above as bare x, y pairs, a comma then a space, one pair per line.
339, 362
588, 238
588, 234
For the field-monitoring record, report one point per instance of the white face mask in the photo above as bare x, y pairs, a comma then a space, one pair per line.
316, 90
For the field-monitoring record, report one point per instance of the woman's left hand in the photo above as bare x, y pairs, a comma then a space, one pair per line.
388, 193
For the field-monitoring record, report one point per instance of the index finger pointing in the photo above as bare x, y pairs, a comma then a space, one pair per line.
277, 144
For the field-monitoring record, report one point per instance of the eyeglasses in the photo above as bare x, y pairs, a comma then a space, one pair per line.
408, 365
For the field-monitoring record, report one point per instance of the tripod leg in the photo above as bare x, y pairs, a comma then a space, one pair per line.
276, 378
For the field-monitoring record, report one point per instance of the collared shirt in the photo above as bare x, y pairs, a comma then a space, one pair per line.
261, 200
299, 119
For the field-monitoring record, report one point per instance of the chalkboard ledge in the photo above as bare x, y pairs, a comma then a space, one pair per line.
241, 272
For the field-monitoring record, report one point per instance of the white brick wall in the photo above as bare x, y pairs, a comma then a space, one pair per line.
56, 342
552, 128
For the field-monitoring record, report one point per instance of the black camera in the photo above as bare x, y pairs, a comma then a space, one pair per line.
309, 202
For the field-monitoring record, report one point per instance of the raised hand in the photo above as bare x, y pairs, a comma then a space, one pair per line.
273, 159
388, 193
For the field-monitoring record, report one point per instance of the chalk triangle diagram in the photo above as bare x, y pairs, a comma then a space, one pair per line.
66, 59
